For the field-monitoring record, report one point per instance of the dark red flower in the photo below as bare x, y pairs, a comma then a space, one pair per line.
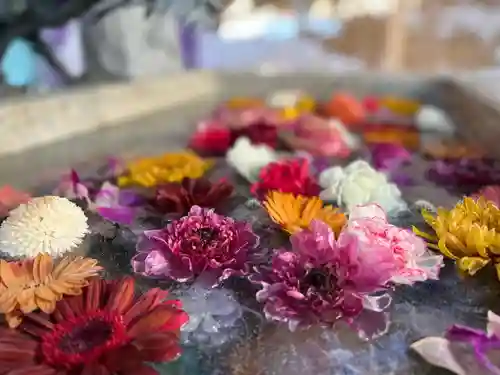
104, 331
259, 133
180, 197
288, 176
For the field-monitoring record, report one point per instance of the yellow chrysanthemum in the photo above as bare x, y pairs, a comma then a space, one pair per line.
170, 167
295, 212
469, 234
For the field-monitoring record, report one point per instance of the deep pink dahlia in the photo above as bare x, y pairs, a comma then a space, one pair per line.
201, 242
322, 280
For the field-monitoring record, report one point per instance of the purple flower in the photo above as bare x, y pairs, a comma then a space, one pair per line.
388, 157
200, 243
469, 174
479, 356
323, 280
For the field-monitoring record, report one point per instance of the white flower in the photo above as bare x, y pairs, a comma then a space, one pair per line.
49, 224
284, 98
430, 118
360, 184
248, 159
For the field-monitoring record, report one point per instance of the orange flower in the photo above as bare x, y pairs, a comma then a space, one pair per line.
295, 212
36, 283
408, 138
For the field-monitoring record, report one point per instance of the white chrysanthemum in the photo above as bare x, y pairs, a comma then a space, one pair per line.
248, 159
50, 224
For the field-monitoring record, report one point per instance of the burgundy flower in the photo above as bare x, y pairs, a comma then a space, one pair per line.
180, 197
202, 242
465, 174
106, 331
322, 280
289, 176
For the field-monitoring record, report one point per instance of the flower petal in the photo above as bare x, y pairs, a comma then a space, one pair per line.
36, 370
122, 295
152, 322
146, 303
158, 347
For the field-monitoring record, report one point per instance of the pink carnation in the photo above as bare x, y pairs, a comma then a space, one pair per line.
413, 262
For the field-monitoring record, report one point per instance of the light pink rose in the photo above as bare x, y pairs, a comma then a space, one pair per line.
414, 262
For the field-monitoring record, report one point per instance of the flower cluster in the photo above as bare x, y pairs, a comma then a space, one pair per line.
63, 319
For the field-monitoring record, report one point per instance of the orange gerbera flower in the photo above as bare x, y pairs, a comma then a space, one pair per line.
36, 283
295, 212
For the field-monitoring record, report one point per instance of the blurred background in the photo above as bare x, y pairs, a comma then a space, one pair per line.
55, 44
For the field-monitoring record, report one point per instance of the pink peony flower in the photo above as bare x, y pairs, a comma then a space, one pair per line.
201, 242
414, 263
323, 280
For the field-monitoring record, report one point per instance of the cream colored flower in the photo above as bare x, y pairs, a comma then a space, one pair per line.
50, 224
248, 159
360, 184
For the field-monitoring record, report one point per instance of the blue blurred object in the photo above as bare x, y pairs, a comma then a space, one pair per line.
19, 63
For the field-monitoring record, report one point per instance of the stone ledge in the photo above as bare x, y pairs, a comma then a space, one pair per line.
28, 122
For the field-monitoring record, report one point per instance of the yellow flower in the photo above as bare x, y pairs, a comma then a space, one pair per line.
469, 234
170, 167
400, 106
294, 213
38, 283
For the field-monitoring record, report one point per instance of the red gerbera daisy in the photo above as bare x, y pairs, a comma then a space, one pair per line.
288, 176
103, 331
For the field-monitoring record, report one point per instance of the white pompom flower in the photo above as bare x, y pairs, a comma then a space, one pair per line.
50, 224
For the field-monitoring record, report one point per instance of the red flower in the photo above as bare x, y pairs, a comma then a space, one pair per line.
179, 198
289, 176
211, 139
104, 331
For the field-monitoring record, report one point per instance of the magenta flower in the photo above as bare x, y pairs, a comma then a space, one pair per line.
200, 243
491, 193
109, 201
479, 355
323, 280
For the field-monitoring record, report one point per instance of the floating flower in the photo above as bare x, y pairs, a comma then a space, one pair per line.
200, 242
478, 356
359, 184
115, 204
170, 167
399, 105
11, 198
180, 197
451, 149
49, 224
108, 200
464, 174
430, 118
249, 159
413, 262
388, 157
319, 136
38, 284
346, 108
405, 136
490, 193
322, 280
469, 234
296, 212
71, 186
287, 176
105, 330
211, 138
213, 315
